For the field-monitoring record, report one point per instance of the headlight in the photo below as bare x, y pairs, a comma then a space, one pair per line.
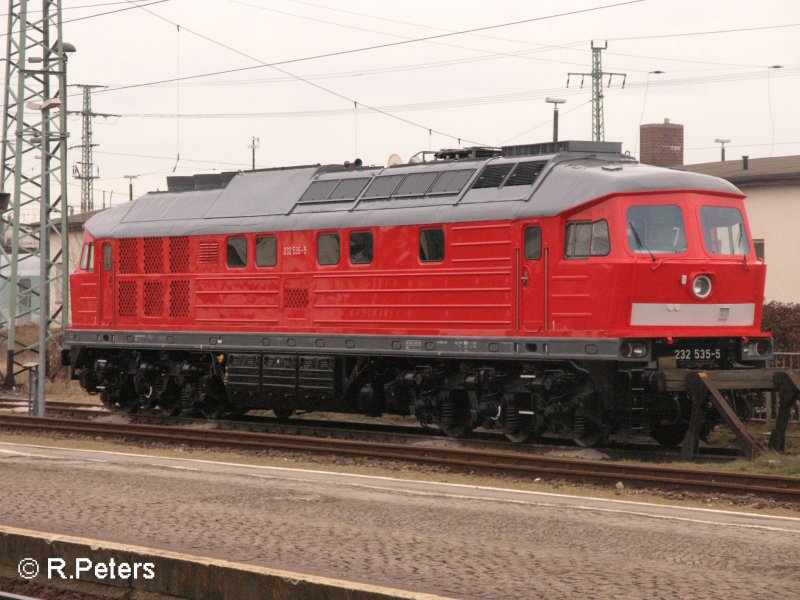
633, 349
756, 349
701, 286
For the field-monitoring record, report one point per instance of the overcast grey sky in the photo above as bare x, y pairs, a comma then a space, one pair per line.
487, 87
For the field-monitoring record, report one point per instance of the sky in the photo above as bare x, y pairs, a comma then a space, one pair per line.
191, 81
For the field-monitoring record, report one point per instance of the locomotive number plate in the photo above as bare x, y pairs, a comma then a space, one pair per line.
692, 354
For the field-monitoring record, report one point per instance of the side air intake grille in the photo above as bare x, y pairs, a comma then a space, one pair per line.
153, 298
179, 254
127, 298
128, 255
492, 176
208, 252
153, 255
179, 298
526, 173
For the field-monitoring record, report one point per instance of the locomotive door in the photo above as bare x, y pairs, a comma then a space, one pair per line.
106, 268
531, 269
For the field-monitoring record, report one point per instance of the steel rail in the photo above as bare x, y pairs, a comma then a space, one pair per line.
775, 486
381, 433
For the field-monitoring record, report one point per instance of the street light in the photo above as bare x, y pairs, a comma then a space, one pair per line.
130, 179
44, 253
723, 142
555, 102
253, 147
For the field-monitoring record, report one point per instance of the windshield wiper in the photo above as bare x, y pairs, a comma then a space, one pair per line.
639, 241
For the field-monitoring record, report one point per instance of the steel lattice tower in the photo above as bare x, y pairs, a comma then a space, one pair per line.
86, 171
598, 121
34, 121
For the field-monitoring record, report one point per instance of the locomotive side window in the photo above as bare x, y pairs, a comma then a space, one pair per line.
87, 257
108, 263
601, 243
758, 246
585, 239
431, 245
328, 251
361, 248
657, 229
579, 239
723, 230
533, 243
237, 252
266, 251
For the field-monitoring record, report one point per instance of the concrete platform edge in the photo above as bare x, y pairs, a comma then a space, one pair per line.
184, 575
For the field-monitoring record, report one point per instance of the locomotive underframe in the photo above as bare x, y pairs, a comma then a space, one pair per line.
585, 396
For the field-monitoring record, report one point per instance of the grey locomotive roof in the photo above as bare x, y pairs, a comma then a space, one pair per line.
270, 200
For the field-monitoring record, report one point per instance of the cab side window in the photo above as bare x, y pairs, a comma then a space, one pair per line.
533, 243
585, 239
87, 257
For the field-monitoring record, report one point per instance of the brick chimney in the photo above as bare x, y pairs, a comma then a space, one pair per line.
661, 144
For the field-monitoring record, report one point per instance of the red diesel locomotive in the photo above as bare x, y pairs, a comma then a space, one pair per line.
532, 288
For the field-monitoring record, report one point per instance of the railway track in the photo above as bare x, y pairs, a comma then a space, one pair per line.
381, 433
483, 460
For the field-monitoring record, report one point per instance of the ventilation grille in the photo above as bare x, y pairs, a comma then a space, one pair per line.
128, 255
492, 176
295, 297
179, 298
153, 298
208, 252
153, 255
526, 173
179, 255
127, 298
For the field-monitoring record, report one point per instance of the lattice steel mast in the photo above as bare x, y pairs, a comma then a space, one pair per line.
598, 122
86, 172
34, 119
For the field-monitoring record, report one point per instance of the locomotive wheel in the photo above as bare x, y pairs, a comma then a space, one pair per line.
670, 435
454, 415
530, 426
125, 399
519, 428
283, 413
592, 437
212, 400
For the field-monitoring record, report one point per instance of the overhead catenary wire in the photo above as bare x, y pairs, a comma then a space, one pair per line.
573, 46
276, 64
474, 100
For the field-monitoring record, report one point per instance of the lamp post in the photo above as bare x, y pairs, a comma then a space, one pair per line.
555, 102
253, 147
44, 254
722, 150
130, 179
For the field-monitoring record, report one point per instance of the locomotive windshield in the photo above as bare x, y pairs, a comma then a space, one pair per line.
723, 230
656, 229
